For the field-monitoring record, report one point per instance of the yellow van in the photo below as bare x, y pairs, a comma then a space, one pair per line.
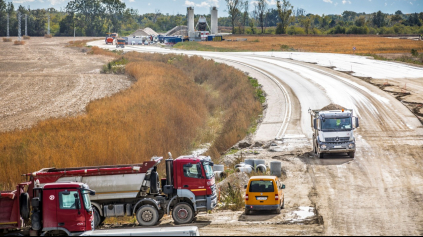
264, 193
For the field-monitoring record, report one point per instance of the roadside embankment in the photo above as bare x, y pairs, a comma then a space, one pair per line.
175, 103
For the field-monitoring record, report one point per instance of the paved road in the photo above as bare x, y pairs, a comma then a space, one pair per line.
380, 192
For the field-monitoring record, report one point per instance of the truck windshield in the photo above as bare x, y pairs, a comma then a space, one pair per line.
208, 170
337, 124
87, 200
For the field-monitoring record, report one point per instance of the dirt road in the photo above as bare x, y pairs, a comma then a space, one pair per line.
43, 79
380, 192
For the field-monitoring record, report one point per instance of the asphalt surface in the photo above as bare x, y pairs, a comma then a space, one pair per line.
380, 192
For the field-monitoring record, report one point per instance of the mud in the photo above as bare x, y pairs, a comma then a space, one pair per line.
44, 79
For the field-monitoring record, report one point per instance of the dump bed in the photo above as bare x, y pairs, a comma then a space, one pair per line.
109, 182
9, 208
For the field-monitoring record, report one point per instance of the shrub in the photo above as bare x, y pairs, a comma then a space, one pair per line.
17, 42
232, 198
47, 36
26, 37
414, 52
7, 40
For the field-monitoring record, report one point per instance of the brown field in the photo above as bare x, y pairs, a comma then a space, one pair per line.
170, 107
26, 37
364, 45
48, 36
7, 40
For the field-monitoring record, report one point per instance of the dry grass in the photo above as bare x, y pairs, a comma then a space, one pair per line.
17, 42
7, 40
26, 37
80, 43
319, 44
47, 36
166, 109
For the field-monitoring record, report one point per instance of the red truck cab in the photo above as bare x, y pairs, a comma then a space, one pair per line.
57, 208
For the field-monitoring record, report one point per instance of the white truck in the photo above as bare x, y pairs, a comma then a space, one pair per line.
333, 131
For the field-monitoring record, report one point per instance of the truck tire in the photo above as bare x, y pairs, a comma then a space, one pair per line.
351, 154
97, 218
147, 215
182, 213
24, 205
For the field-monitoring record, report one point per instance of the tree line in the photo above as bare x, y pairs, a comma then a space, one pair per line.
99, 17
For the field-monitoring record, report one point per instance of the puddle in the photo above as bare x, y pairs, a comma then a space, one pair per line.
304, 213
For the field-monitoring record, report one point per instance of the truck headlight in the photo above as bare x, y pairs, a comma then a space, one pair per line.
351, 146
323, 146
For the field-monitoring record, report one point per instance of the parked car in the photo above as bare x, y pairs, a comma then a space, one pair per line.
264, 193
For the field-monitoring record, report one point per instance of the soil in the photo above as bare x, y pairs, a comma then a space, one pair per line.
44, 79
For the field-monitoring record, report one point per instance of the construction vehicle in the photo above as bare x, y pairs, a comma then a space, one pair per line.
109, 40
57, 208
120, 43
127, 190
333, 131
264, 193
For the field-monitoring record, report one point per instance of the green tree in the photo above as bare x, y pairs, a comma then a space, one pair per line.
261, 6
285, 11
379, 19
233, 11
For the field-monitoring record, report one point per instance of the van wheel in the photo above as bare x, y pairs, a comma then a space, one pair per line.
147, 215
351, 154
247, 212
283, 204
182, 213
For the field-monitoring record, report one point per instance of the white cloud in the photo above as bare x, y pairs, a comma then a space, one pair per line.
149, 4
203, 4
131, 0
346, 1
336, 4
189, 4
328, 1
411, 3
22, 1
54, 2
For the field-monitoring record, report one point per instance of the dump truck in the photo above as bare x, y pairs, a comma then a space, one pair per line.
127, 190
333, 131
120, 43
57, 208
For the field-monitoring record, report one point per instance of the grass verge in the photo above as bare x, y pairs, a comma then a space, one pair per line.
201, 47
172, 101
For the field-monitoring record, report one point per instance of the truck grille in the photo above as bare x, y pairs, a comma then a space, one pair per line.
337, 139
213, 188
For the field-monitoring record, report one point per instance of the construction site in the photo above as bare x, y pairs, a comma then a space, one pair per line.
106, 136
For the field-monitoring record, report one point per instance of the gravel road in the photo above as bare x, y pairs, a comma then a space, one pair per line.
380, 192
44, 79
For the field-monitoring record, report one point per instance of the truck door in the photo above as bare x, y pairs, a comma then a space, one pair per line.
193, 178
68, 216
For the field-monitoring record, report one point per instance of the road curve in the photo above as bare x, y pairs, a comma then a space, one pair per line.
380, 192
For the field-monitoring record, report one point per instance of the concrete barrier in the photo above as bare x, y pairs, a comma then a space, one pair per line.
276, 168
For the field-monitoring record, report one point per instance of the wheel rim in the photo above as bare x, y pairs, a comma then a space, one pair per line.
182, 213
147, 216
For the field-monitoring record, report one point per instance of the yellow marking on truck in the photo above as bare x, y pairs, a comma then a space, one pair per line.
197, 190
8, 223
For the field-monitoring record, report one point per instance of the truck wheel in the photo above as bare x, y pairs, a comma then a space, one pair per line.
147, 215
24, 205
97, 218
182, 213
351, 154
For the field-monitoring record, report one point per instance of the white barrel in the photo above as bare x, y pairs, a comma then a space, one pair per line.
240, 165
249, 162
259, 162
218, 168
261, 168
214, 21
276, 168
220, 175
246, 169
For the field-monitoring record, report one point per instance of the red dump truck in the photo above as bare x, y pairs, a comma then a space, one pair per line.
127, 190
57, 208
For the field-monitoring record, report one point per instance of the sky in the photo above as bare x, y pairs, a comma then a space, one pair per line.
203, 6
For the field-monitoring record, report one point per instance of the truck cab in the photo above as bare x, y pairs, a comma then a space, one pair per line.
333, 131
57, 208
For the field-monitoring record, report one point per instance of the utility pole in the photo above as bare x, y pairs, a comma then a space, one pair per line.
19, 26
7, 25
48, 29
26, 24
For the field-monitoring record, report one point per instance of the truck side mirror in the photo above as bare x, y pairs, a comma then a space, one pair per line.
356, 122
78, 207
283, 186
245, 187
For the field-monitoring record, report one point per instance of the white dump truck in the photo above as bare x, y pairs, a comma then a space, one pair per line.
333, 131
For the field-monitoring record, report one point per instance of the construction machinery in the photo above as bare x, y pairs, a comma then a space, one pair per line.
333, 131
57, 208
120, 43
127, 190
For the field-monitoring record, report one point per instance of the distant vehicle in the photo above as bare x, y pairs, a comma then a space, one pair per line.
264, 193
114, 35
109, 40
120, 43
162, 231
145, 42
56, 208
333, 131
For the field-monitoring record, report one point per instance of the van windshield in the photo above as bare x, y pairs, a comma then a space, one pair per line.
262, 186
